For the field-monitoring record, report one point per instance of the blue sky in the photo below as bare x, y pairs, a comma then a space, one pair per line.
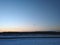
29, 13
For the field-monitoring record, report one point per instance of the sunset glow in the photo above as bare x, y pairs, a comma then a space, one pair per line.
33, 15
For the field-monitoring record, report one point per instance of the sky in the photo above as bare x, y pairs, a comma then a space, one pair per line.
29, 15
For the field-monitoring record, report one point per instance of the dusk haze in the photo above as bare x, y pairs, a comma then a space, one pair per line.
29, 15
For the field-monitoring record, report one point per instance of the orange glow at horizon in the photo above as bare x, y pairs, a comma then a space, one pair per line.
28, 29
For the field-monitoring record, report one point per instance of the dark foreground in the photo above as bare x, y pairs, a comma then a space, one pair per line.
31, 38
30, 41
26, 33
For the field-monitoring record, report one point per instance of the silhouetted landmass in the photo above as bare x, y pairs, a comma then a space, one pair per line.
27, 33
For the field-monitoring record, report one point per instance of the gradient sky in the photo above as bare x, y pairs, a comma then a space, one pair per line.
22, 13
